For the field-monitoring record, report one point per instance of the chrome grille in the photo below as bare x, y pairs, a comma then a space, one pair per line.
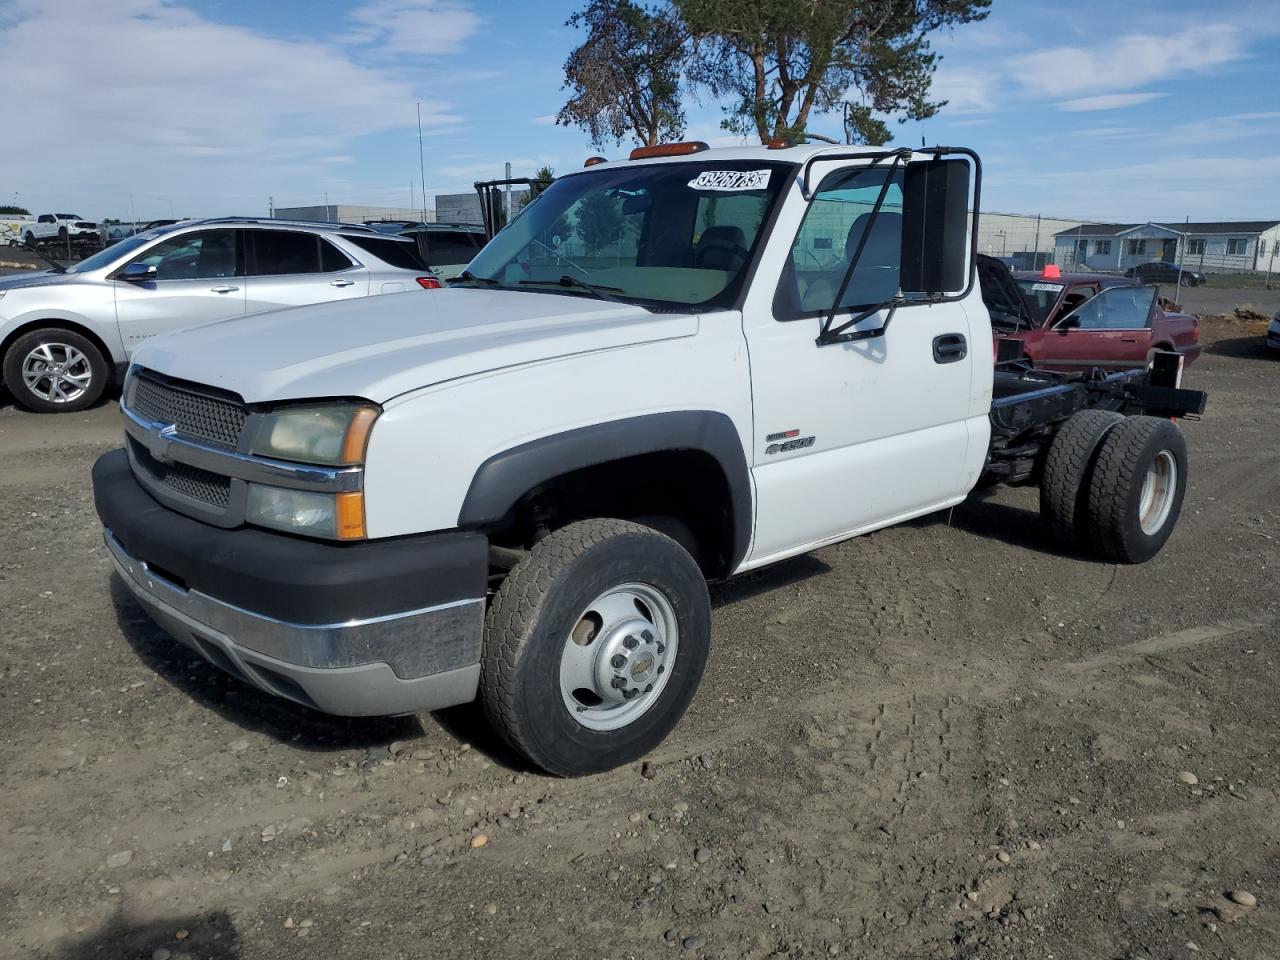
181, 478
197, 484
199, 416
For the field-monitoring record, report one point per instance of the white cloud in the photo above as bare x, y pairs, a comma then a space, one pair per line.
1107, 101
414, 26
549, 120
1127, 62
1202, 188
967, 90
151, 98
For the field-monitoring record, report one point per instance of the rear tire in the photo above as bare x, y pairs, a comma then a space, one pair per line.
594, 646
1065, 479
55, 371
1136, 489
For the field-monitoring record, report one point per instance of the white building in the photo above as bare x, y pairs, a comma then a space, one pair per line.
1246, 245
351, 213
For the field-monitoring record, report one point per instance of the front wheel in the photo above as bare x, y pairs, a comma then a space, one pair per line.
55, 371
594, 646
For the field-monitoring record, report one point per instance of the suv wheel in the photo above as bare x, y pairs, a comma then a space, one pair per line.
55, 371
594, 645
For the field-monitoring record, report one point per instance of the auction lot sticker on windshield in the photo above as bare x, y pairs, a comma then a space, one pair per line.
1047, 287
731, 180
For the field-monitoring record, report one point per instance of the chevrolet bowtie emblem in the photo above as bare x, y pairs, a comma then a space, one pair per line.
158, 444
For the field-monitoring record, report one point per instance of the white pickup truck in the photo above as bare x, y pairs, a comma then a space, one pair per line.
60, 226
518, 487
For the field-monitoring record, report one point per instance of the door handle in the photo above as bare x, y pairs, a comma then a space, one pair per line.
949, 348
224, 289
342, 283
1128, 339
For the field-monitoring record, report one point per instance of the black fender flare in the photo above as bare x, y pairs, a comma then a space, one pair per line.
506, 477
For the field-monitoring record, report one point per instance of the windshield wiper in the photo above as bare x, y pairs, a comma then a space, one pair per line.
466, 276
600, 293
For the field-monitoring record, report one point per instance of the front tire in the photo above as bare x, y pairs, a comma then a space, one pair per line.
55, 371
1136, 489
594, 646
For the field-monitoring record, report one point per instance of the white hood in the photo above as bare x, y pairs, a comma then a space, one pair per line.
380, 347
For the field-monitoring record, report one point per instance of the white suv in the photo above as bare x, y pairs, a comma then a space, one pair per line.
66, 335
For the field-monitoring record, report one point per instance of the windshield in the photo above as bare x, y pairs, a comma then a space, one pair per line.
1040, 297
109, 255
670, 234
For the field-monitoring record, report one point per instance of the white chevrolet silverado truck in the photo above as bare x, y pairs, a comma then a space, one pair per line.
517, 488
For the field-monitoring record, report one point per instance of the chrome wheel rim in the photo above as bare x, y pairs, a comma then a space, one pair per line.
618, 657
57, 372
1158, 488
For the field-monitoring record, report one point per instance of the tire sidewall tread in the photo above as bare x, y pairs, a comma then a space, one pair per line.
531, 616
1115, 488
101, 371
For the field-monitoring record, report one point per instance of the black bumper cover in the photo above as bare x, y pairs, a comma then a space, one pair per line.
284, 577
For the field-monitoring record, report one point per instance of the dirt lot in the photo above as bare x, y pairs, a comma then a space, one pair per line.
945, 740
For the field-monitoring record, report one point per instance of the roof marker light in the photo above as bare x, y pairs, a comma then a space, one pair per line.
1051, 272
669, 150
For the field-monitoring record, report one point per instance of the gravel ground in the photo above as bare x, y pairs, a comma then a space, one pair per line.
950, 739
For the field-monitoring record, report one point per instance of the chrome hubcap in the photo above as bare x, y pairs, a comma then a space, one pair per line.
618, 657
57, 372
1158, 488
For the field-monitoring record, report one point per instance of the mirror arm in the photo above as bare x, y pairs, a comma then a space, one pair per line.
838, 335
827, 331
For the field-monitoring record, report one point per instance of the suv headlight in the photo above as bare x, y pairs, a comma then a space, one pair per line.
333, 435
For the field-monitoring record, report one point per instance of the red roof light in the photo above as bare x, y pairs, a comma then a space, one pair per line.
1051, 272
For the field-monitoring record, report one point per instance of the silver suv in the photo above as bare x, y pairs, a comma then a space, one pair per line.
67, 334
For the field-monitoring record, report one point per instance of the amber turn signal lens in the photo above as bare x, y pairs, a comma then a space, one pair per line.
669, 150
351, 515
592, 161
357, 439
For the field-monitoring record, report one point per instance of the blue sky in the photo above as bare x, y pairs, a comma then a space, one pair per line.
1108, 110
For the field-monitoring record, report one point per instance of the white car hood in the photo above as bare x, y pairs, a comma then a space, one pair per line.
380, 347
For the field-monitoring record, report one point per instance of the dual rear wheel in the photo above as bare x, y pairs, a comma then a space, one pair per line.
1114, 484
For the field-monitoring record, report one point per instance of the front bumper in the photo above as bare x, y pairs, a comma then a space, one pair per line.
358, 630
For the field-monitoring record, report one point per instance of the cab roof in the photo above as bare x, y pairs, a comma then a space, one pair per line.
761, 154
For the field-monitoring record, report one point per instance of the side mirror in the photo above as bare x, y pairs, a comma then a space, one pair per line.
935, 211
139, 272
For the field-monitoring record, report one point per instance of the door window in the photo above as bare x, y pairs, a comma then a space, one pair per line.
204, 255
286, 252
1117, 308
834, 224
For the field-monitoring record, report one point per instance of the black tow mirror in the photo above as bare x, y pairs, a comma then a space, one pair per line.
935, 236
139, 272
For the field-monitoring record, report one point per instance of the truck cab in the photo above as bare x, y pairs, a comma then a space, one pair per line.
669, 369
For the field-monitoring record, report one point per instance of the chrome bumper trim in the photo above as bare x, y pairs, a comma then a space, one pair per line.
413, 643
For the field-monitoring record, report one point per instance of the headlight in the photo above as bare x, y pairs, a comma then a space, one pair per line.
336, 516
330, 434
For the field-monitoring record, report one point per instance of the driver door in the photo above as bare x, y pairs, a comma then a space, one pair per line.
199, 279
1112, 329
853, 436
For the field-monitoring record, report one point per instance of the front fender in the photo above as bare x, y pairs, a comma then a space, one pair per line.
505, 477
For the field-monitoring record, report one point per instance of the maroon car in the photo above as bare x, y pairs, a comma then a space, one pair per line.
1074, 321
